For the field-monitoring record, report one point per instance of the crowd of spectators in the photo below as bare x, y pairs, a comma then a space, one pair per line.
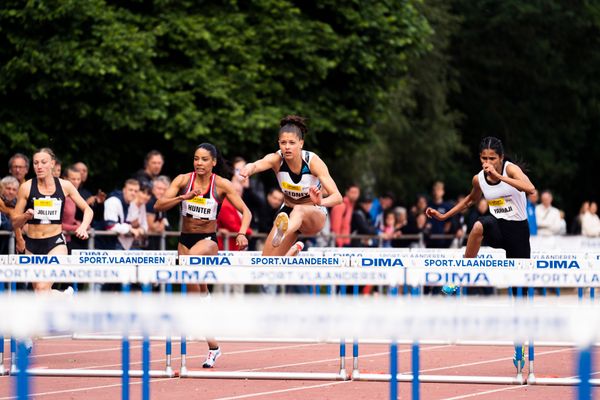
362, 220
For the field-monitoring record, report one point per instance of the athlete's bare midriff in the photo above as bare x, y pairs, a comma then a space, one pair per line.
191, 225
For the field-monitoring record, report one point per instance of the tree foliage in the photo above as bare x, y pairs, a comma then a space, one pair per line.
416, 141
528, 75
105, 81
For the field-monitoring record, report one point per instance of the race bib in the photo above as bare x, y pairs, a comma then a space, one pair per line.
294, 191
502, 207
47, 209
200, 208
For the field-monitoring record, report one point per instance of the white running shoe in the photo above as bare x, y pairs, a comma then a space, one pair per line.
281, 223
69, 291
296, 248
211, 358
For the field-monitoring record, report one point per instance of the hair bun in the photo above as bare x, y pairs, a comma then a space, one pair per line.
296, 120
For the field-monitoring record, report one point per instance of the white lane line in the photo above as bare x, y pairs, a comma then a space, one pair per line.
82, 389
273, 392
490, 361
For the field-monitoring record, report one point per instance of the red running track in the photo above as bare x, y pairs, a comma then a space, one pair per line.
439, 359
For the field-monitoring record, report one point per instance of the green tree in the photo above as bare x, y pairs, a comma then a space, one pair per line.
528, 75
416, 141
106, 81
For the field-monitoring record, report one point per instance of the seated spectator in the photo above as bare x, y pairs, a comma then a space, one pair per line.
435, 227
137, 217
341, 215
153, 163
532, 202
576, 225
18, 166
389, 227
116, 209
590, 223
69, 222
9, 186
547, 216
362, 224
380, 205
157, 220
269, 210
229, 219
475, 213
57, 170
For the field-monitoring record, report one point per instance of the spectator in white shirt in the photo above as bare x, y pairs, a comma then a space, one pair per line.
590, 223
547, 217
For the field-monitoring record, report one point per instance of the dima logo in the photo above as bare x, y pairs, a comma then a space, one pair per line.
381, 262
557, 264
216, 260
38, 260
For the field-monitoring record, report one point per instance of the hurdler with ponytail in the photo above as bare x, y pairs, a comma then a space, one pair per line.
200, 194
302, 176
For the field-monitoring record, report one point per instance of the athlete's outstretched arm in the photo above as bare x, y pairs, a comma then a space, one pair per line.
170, 198
267, 162
320, 170
468, 201
515, 178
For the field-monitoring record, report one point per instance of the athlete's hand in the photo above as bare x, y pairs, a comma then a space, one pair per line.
29, 214
246, 171
20, 245
190, 195
432, 213
242, 242
315, 195
490, 171
81, 233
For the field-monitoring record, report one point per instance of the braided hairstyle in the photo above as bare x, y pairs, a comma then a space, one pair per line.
492, 143
294, 124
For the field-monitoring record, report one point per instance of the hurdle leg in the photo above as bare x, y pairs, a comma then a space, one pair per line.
2, 370
183, 369
125, 358
343, 359
355, 372
13, 356
168, 343
394, 370
146, 358
531, 355
585, 372
416, 382
22, 391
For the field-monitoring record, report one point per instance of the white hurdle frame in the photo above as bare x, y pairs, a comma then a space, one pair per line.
127, 275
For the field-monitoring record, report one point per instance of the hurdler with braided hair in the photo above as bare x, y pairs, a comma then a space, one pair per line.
504, 185
302, 177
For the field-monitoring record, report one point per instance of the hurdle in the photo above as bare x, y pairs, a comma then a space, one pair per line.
321, 316
265, 270
87, 267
